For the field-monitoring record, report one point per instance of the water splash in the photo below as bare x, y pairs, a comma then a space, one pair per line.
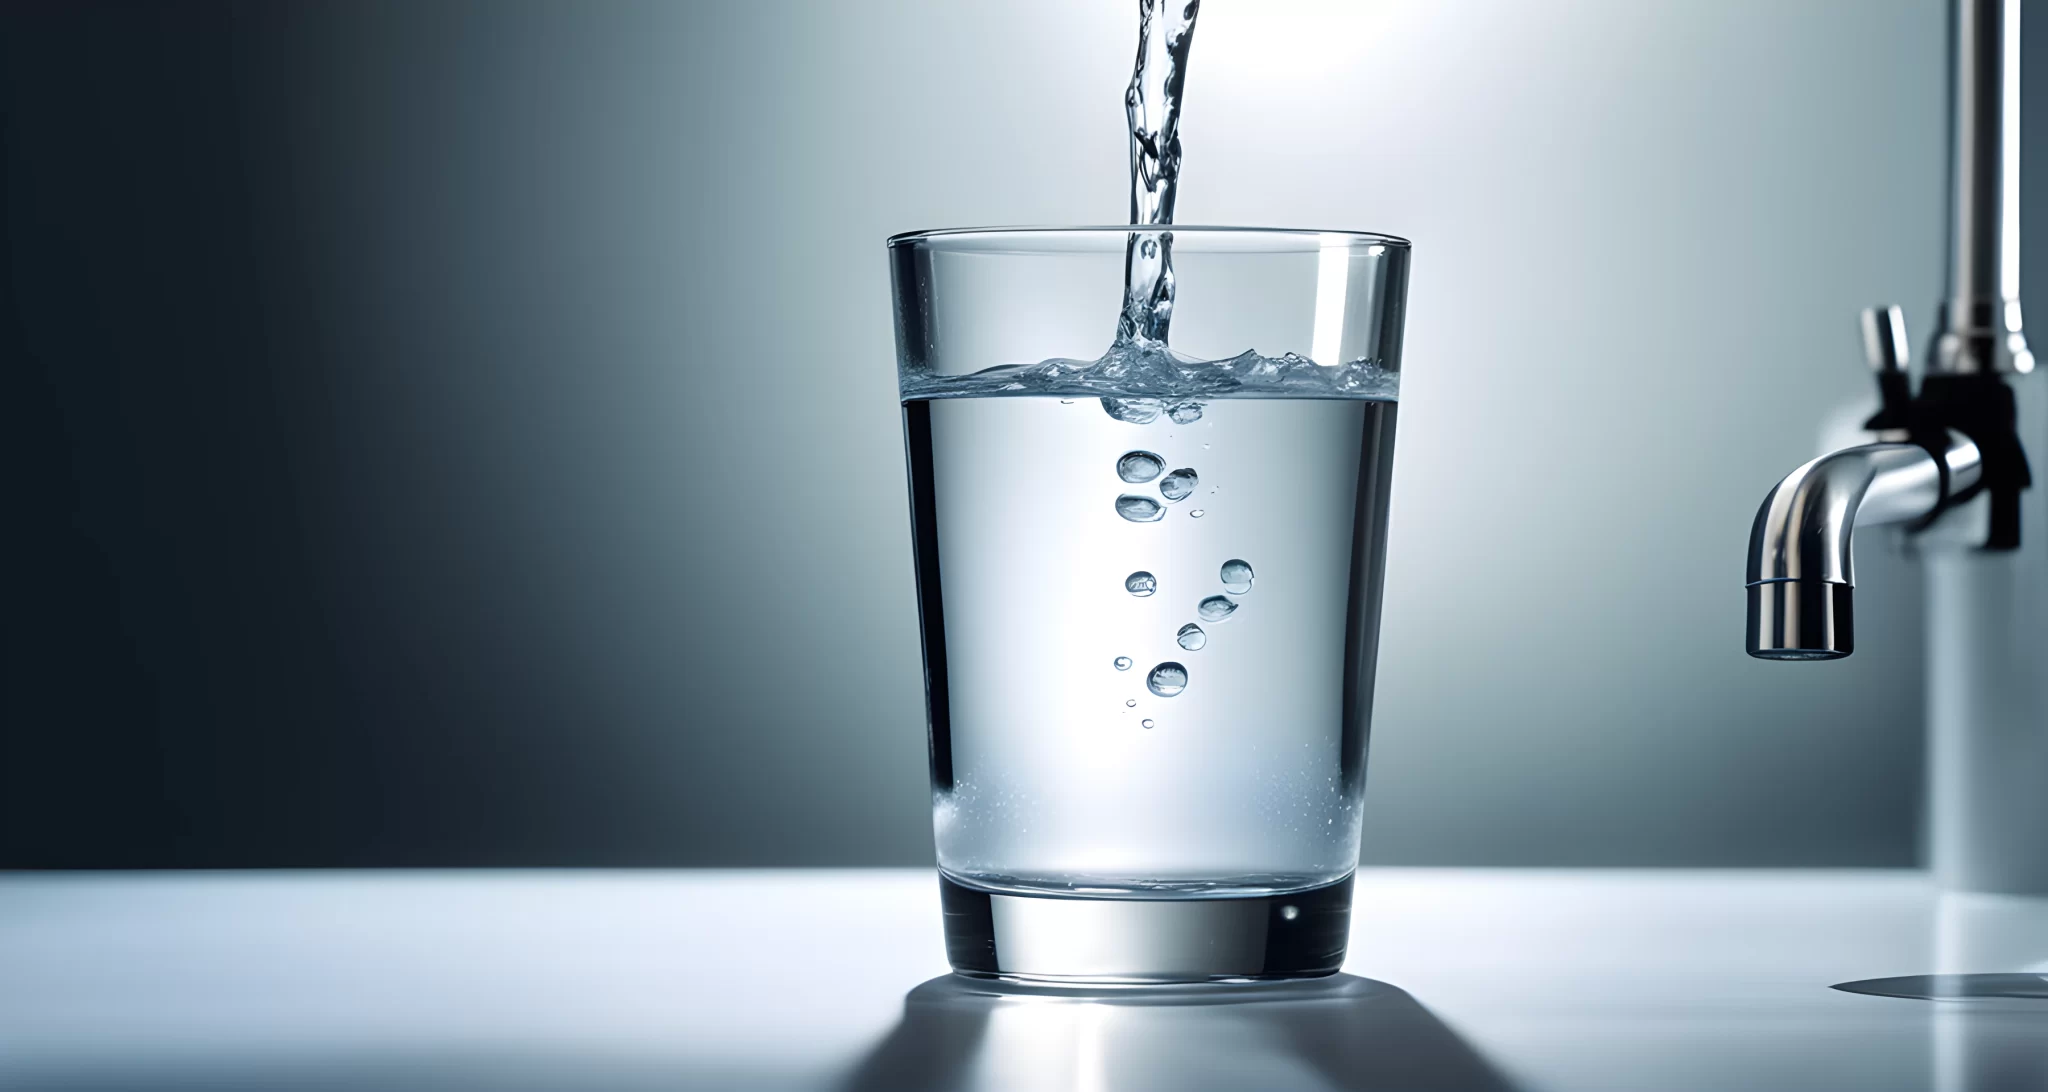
1140, 378
1136, 381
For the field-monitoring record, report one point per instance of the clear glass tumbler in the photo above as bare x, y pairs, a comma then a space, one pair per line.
1149, 580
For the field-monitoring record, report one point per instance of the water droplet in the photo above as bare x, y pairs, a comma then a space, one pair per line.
1289, 913
1237, 576
1138, 467
1137, 411
1147, 722
1167, 679
1191, 637
1185, 413
1139, 509
1123, 663
1141, 583
1215, 609
1205, 447
1131, 703
1178, 484
1197, 514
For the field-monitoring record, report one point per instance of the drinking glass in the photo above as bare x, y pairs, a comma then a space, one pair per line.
1149, 583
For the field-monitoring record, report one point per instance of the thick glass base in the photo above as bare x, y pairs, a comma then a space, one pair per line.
1093, 939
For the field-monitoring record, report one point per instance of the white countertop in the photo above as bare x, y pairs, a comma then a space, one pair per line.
799, 979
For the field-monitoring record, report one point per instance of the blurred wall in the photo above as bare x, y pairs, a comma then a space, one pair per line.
464, 433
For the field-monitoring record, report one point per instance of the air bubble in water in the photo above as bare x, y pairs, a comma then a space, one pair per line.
1146, 722
1131, 704
1185, 413
1123, 663
1215, 608
1139, 509
1178, 484
1141, 583
1138, 467
1167, 679
1197, 514
1237, 576
1191, 637
1137, 411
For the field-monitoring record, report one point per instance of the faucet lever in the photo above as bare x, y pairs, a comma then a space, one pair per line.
1885, 346
1884, 338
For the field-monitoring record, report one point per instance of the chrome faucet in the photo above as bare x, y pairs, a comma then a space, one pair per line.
1949, 466
1801, 566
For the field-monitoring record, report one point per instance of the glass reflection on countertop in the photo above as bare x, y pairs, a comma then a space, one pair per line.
1340, 1032
1990, 992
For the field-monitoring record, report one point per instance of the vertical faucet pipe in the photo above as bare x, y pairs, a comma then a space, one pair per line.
1980, 328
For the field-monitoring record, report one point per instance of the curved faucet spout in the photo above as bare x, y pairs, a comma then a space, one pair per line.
1801, 556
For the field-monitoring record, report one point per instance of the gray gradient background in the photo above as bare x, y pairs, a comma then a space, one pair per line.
548, 504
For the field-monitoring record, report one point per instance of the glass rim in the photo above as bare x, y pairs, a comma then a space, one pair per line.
1303, 238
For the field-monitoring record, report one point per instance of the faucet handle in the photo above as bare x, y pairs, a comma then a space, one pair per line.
1884, 338
1884, 345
